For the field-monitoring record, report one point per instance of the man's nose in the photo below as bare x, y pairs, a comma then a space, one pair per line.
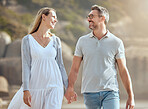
88, 19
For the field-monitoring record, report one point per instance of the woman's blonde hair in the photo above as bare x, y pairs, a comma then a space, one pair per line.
36, 24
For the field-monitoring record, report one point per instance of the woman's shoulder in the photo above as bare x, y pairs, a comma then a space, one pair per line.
53, 35
56, 38
25, 38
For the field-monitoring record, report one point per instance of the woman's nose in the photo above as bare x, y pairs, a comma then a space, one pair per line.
56, 20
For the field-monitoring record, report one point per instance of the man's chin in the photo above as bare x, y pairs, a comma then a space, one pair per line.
90, 27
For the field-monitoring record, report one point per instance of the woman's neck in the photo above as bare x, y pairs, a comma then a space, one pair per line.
43, 32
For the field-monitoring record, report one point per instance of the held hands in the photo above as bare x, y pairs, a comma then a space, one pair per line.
27, 98
70, 95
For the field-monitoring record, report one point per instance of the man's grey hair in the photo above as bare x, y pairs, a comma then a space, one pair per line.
102, 12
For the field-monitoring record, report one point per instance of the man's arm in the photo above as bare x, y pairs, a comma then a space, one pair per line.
74, 71
126, 79
70, 94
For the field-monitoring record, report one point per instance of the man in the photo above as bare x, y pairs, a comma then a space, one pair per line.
100, 51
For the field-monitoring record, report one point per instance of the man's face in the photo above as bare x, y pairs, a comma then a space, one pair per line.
94, 19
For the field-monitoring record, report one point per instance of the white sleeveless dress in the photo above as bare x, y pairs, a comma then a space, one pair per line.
46, 86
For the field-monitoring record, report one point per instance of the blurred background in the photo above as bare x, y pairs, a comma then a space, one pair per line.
128, 21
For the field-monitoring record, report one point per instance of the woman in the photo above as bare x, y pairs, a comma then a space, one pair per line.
43, 72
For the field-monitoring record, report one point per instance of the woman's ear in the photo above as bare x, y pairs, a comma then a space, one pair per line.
43, 17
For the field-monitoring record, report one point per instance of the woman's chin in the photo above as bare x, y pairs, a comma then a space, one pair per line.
51, 27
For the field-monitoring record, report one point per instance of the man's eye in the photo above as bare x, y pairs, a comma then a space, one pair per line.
91, 15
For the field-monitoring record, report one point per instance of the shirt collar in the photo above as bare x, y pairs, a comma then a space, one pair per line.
91, 35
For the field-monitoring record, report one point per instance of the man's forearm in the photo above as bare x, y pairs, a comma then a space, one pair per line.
74, 71
72, 78
126, 79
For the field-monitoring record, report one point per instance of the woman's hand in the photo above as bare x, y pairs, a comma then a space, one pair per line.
27, 98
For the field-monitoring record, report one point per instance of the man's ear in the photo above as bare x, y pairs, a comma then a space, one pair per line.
103, 18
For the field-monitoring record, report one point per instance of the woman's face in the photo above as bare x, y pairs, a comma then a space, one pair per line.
51, 20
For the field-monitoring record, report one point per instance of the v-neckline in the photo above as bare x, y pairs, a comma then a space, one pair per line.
40, 44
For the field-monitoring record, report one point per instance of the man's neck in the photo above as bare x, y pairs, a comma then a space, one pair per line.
99, 33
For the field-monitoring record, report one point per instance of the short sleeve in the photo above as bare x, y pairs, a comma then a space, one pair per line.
78, 49
120, 51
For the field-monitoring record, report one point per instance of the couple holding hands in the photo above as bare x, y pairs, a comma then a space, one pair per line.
43, 71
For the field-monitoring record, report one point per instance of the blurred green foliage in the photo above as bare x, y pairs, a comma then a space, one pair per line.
72, 11
26, 19
77, 29
12, 23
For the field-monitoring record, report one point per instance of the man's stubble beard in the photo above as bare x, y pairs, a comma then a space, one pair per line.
92, 27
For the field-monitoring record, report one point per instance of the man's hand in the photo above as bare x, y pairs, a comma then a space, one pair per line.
27, 98
70, 95
130, 104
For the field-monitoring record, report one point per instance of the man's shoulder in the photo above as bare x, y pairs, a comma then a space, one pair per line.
115, 38
85, 36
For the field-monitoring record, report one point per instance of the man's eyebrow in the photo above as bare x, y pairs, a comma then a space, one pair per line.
90, 14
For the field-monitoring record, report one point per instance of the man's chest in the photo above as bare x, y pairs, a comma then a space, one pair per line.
99, 48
